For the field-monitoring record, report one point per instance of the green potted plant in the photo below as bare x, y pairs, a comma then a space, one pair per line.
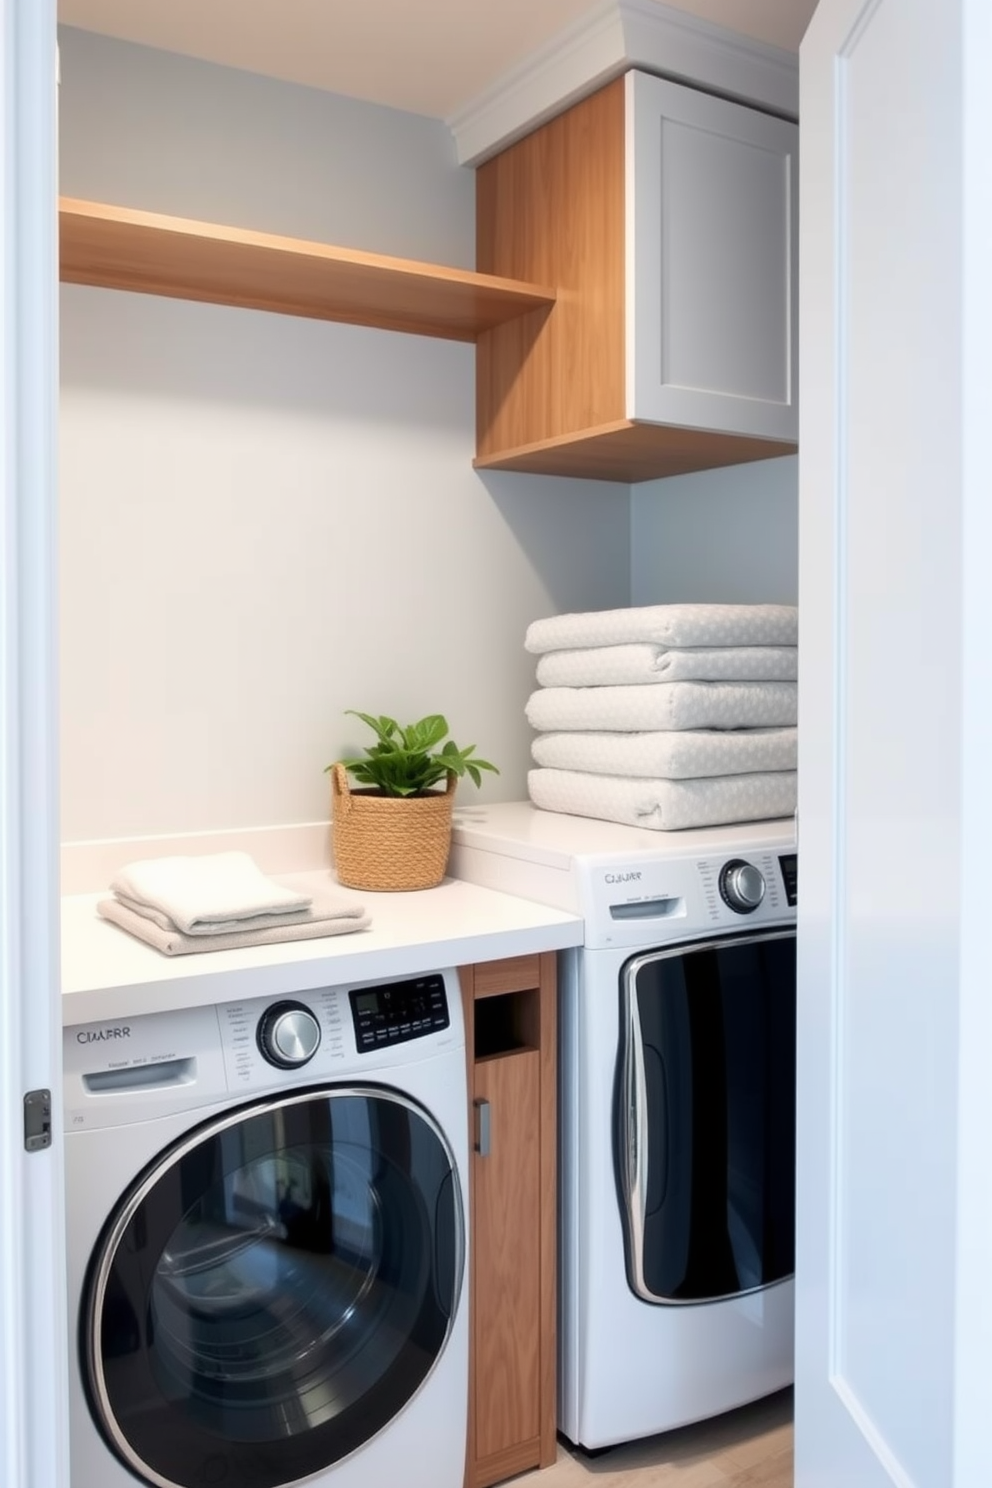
394, 830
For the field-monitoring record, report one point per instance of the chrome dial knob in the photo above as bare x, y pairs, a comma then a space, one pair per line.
742, 886
288, 1035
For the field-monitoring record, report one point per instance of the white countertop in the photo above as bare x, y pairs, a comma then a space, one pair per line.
511, 847
517, 829
107, 973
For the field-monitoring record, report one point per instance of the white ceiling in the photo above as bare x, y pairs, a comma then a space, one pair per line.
428, 56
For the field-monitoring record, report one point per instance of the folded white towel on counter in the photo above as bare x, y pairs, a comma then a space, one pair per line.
207, 895
665, 805
327, 915
668, 705
668, 625
670, 755
642, 662
322, 907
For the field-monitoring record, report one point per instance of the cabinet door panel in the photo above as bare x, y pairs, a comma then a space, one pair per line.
711, 255
506, 1215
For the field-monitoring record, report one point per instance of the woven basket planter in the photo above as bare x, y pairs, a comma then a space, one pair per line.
389, 842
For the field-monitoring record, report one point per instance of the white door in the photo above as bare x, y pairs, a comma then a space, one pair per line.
894, 1306
33, 1347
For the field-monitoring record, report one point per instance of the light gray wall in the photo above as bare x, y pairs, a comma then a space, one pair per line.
144, 128
723, 536
267, 520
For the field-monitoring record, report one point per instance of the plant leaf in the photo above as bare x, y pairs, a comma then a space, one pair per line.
404, 760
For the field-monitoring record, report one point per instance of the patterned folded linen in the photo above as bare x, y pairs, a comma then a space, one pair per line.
670, 755
668, 705
329, 915
665, 805
668, 625
642, 662
209, 894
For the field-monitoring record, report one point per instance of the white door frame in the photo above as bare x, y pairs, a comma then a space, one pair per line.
33, 1341
973, 1306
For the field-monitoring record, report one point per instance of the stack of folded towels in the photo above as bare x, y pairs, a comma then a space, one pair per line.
666, 716
217, 903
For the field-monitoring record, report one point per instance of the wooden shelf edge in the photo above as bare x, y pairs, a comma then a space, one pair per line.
145, 252
631, 452
509, 974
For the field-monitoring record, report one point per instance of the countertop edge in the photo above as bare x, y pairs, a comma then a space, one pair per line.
107, 974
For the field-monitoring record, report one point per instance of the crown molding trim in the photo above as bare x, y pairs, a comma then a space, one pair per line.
614, 37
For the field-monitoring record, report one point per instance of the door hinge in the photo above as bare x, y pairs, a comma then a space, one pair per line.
37, 1120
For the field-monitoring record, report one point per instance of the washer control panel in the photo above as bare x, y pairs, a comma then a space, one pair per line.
127, 1069
288, 1035
742, 886
395, 1012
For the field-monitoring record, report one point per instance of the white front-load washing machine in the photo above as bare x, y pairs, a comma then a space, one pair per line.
677, 1067
267, 1241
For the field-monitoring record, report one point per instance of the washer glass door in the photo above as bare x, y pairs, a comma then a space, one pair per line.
274, 1289
706, 1131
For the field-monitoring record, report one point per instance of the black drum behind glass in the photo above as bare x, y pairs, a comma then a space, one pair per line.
275, 1290
706, 1117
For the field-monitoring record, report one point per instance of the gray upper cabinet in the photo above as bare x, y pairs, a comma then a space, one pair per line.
666, 219
712, 222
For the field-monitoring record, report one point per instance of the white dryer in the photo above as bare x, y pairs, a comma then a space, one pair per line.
677, 1022
267, 1241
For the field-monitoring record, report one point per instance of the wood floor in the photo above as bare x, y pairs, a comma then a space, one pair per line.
743, 1449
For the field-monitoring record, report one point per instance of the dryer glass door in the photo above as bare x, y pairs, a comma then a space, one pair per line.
706, 1136
274, 1289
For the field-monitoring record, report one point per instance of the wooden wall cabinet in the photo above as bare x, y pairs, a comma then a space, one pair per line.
511, 1033
667, 219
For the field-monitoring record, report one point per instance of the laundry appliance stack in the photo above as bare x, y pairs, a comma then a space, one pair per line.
666, 716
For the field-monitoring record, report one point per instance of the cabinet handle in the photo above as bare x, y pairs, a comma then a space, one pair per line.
483, 1140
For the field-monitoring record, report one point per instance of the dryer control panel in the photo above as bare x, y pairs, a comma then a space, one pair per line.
654, 898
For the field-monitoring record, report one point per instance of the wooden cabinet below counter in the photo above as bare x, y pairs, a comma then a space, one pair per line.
511, 1037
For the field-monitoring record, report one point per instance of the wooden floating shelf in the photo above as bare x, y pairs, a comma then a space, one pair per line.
118, 248
631, 452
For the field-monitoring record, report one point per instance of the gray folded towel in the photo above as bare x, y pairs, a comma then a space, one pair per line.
328, 915
670, 754
666, 705
644, 663
666, 805
668, 625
